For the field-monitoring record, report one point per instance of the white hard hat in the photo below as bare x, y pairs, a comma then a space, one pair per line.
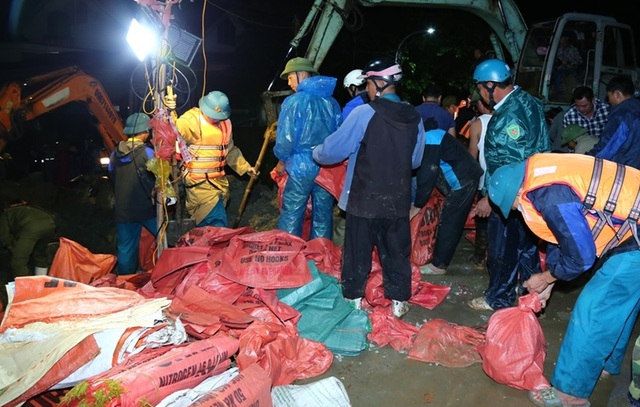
352, 78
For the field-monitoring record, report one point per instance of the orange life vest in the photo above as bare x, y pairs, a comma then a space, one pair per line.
209, 155
609, 192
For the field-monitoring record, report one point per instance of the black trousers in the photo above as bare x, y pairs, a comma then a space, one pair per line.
392, 238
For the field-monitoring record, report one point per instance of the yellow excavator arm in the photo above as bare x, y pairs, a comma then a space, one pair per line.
64, 86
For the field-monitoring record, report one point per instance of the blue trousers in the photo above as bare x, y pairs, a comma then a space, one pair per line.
216, 217
294, 204
600, 326
512, 257
128, 241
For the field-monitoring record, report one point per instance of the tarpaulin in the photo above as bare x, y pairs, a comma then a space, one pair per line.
271, 259
515, 348
74, 262
447, 344
182, 367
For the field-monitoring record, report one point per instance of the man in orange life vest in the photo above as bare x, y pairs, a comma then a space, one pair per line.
207, 131
587, 209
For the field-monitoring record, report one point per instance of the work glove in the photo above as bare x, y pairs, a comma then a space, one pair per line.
169, 102
252, 172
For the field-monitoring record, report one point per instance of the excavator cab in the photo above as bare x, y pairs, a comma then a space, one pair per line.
575, 50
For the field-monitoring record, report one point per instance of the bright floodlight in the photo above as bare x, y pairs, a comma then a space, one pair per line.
430, 30
142, 40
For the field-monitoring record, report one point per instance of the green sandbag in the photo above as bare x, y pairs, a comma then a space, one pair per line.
349, 337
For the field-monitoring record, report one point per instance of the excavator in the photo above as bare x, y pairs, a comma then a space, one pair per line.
606, 46
57, 88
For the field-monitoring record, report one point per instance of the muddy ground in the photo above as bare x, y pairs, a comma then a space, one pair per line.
378, 376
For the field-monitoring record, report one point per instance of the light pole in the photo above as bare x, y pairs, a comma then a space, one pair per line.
429, 31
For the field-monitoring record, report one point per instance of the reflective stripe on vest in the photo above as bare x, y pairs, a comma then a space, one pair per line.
210, 153
610, 192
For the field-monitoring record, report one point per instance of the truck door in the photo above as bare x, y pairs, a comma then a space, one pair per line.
577, 50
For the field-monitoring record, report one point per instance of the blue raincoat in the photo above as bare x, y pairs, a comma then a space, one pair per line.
307, 117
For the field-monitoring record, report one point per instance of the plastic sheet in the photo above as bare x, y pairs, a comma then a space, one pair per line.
447, 344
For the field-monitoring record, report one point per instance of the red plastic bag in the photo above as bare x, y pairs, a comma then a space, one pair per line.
271, 259
389, 330
76, 263
423, 229
447, 344
515, 347
147, 250
326, 255
211, 236
164, 135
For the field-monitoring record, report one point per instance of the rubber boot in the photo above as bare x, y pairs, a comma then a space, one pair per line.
41, 271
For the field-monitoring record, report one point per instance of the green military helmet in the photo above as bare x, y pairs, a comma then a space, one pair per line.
136, 123
572, 132
296, 65
215, 105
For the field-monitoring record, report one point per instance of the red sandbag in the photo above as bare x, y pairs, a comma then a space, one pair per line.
447, 344
271, 259
389, 330
284, 355
76, 263
148, 383
423, 229
211, 236
331, 178
258, 298
173, 265
326, 255
515, 348
252, 387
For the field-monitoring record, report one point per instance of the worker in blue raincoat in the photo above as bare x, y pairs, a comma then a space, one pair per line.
306, 119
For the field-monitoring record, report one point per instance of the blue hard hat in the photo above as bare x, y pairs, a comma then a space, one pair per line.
492, 70
504, 185
215, 105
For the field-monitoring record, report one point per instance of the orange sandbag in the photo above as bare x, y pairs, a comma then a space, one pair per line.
50, 300
515, 348
447, 344
423, 229
331, 178
252, 387
75, 262
181, 368
271, 259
